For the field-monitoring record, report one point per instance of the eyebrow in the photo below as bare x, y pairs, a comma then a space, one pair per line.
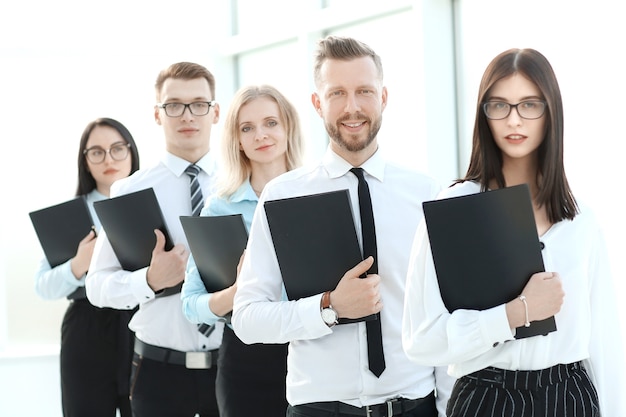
497, 98
119, 142
180, 100
265, 118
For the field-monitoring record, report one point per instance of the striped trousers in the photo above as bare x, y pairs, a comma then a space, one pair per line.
559, 391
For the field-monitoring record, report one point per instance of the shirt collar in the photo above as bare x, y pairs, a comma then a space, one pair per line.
336, 166
244, 193
178, 165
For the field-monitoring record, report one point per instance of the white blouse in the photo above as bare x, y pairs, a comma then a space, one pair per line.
588, 327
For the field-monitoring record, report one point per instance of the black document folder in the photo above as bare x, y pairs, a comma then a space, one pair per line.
315, 242
485, 249
216, 243
129, 222
61, 227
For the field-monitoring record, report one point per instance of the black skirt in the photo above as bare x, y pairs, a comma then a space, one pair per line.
251, 379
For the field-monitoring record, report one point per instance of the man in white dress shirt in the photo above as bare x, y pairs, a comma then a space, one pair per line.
174, 365
328, 372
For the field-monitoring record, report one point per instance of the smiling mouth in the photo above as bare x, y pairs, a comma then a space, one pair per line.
353, 125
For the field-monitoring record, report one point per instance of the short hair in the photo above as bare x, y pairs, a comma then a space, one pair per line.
86, 181
184, 71
345, 49
236, 165
486, 158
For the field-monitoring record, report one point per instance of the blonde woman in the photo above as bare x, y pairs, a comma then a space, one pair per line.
262, 140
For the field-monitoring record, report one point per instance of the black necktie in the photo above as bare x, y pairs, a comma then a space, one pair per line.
196, 206
194, 189
375, 353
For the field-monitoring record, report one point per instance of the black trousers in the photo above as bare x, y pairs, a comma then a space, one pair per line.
165, 390
251, 378
559, 391
96, 352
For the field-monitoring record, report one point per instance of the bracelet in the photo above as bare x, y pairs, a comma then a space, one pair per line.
522, 298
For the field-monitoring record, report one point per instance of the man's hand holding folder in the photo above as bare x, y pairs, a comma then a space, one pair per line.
356, 297
167, 267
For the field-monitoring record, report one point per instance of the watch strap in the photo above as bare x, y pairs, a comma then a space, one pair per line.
326, 300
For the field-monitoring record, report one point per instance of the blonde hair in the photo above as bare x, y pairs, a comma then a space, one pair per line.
236, 165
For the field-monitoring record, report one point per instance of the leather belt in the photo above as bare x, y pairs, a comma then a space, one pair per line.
191, 360
393, 407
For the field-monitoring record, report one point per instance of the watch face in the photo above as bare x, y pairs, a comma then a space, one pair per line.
329, 316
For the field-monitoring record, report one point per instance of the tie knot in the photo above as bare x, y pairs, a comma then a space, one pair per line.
192, 170
358, 172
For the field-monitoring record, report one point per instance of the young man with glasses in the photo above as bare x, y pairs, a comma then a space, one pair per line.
174, 365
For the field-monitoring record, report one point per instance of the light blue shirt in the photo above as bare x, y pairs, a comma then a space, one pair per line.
58, 282
194, 295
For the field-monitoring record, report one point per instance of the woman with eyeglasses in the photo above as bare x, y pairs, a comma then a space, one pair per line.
262, 139
96, 344
577, 370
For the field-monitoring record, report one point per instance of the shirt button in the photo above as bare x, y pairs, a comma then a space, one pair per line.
543, 245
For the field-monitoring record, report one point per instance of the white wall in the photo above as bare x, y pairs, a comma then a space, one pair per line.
29, 382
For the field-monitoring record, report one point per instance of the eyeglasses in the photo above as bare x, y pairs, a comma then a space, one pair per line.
197, 108
96, 154
529, 109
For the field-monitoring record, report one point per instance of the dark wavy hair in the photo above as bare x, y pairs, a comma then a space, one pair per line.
486, 159
86, 181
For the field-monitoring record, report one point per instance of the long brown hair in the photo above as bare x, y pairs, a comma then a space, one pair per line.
486, 159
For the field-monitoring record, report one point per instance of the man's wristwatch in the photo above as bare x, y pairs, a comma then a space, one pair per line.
329, 315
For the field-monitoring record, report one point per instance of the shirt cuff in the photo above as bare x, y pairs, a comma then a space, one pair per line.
139, 285
310, 313
494, 325
68, 275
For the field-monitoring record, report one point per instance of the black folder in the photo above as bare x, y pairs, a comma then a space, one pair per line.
216, 243
485, 248
129, 222
315, 242
61, 227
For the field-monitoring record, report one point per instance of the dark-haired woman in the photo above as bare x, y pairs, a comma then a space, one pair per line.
577, 370
96, 344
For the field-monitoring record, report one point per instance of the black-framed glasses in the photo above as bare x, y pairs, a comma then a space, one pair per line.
97, 155
528, 109
197, 108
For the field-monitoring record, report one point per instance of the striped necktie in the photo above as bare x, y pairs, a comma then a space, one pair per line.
194, 190
196, 206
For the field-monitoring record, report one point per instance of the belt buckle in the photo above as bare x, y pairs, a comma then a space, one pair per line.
198, 360
389, 403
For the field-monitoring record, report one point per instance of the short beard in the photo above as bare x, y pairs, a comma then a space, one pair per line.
354, 145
